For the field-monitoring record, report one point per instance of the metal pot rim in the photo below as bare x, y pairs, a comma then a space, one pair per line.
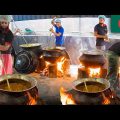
32, 45
99, 80
30, 79
93, 52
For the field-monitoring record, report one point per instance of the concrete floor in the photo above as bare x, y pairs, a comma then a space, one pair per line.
49, 88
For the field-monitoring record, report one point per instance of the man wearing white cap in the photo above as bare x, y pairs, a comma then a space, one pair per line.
6, 38
100, 31
58, 32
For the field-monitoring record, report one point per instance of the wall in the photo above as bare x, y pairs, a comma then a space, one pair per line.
34, 17
78, 34
73, 26
42, 26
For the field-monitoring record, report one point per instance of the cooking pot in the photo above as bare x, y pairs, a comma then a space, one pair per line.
92, 58
34, 47
82, 97
53, 54
101, 81
26, 62
28, 96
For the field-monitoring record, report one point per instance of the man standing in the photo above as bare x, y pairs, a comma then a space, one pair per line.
59, 31
100, 31
6, 38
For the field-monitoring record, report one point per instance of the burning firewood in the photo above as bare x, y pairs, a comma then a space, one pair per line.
58, 69
106, 101
94, 72
66, 98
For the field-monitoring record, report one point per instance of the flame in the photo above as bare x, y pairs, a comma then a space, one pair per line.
106, 101
60, 67
119, 70
32, 101
41, 56
66, 99
94, 72
47, 63
81, 65
112, 94
60, 64
45, 71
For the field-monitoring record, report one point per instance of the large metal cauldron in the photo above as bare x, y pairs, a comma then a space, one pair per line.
82, 97
24, 97
27, 60
52, 55
92, 58
34, 47
104, 82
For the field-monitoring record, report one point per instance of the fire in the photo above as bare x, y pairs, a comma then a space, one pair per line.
112, 96
60, 67
66, 99
119, 70
32, 101
45, 71
106, 101
41, 56
81, 65
94, 72
60, 64
47, 63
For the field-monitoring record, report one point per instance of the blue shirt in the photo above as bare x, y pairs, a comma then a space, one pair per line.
101, 30
59, 39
